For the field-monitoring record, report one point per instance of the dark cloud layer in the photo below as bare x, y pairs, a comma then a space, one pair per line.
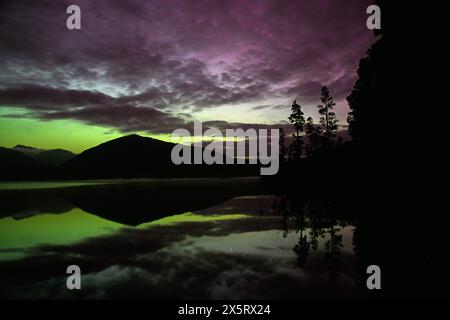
146, 65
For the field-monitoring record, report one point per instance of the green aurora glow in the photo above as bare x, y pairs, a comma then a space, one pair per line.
71, 135
74, 226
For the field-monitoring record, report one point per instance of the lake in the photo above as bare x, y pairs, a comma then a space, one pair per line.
173, 238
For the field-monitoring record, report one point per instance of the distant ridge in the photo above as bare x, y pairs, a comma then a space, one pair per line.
27, 150
10, 158
54, 157
48, 158
21, 146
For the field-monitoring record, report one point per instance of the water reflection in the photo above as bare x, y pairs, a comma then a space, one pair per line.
252, 246
314, 221
129, 202
17, 235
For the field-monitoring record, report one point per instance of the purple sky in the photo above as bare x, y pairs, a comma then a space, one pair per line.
155, 65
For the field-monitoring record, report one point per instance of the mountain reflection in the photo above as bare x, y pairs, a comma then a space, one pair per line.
236, 248
129, 202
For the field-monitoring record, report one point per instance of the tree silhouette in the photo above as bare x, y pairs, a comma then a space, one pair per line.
282, 143
297, 117
313, 133
367, 95
295, 149
327, 117
298, 120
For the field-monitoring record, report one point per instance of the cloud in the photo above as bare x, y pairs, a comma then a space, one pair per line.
43, 98
176, 57
186, 272
124, 113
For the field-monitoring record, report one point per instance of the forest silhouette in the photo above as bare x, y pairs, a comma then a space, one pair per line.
386, 176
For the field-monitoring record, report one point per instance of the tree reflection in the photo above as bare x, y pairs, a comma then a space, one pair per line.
301, 249
280, 207
315, 224
333, 252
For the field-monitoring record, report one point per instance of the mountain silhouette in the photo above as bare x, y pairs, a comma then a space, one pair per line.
54, 157
131, 156
10, 158
27, 150
135, 156
48, 158
132, 151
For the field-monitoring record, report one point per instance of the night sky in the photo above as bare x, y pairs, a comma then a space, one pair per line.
150, 67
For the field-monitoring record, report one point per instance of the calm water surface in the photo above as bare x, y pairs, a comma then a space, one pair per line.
160, 239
